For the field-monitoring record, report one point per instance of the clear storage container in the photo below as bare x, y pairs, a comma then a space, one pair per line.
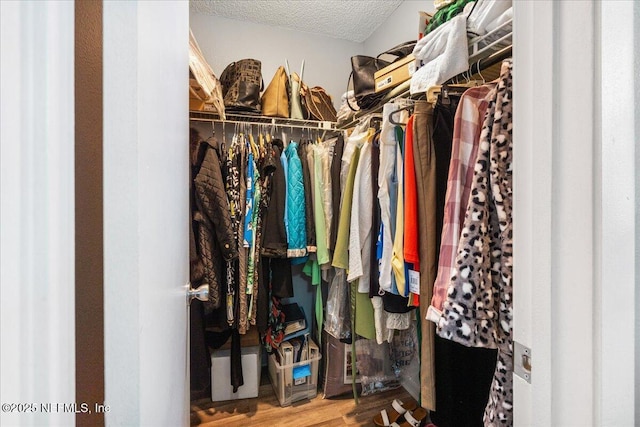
295, 381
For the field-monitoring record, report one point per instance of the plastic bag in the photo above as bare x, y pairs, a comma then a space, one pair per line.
375, 367
336, 356
338, 313
405, 356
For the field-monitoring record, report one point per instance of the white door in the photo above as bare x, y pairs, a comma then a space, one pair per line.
146, 211
575, 224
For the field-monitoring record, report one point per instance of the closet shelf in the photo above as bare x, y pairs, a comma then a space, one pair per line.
484, 52
486, 45
236, 118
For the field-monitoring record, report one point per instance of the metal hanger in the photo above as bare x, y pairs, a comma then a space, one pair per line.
408, 108
479, 71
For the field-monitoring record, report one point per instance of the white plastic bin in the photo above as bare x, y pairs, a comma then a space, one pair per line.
220, 373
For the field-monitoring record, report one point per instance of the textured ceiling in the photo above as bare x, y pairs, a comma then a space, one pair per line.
353, 20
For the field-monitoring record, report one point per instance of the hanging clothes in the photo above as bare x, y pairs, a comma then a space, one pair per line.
211, 244
251, 223
425, 168
463, 374
466, 135
361, 222
374, 271
275, 234
295, 208
478, 308
387, 193
336, 189
242, 306
321, 206
235, 188
324, 152
360, 243
411, 228
379, 314
215, 242
264, 169
349, 164
269, 163
304, 149
276, 266
397, 254
396, 307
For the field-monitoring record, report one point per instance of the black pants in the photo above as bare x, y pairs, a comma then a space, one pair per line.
442, 136
463, 374
463, 380
199, 354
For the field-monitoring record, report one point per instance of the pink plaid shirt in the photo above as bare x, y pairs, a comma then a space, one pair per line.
464, 149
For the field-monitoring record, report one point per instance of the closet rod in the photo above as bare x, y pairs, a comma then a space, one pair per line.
401, 91
494, 58
201, 116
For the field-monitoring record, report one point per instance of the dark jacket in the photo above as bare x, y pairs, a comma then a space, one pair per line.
307, 169
275, 264
274, 243
336, 193
211, 218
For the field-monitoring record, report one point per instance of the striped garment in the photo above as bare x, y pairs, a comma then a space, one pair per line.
470, 114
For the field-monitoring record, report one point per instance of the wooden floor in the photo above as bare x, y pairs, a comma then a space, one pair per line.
265, 410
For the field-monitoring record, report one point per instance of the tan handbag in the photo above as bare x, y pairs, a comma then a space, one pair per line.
295, 103
275, 99
318, 104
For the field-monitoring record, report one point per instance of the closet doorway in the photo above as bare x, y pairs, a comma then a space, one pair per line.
564, 137
564, 117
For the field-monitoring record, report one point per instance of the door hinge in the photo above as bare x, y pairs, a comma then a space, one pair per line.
522, 361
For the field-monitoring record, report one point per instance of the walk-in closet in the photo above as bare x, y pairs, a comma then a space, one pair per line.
373, 213
367, 228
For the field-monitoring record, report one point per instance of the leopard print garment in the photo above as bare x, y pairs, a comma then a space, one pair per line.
478, 309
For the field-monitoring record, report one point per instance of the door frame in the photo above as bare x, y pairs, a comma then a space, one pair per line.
37, 296
576, 211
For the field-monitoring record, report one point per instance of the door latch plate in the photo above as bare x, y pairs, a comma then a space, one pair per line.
522, 361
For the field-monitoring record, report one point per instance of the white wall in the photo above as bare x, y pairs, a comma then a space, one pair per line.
327, 60
636, 20
619, 253
400, 27
37, 346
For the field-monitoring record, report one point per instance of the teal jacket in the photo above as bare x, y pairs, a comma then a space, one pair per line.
295, 210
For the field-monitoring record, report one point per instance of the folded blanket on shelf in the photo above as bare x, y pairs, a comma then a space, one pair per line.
444, 53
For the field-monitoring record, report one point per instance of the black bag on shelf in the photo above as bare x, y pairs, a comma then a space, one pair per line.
363, 69
241, 85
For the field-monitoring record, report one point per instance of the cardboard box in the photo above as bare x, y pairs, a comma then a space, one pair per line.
198, 100
220, 367
395, 73
196, 104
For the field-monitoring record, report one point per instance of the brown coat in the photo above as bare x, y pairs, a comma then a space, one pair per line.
211, 220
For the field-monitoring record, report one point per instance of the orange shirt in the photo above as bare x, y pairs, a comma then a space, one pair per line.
411, 229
